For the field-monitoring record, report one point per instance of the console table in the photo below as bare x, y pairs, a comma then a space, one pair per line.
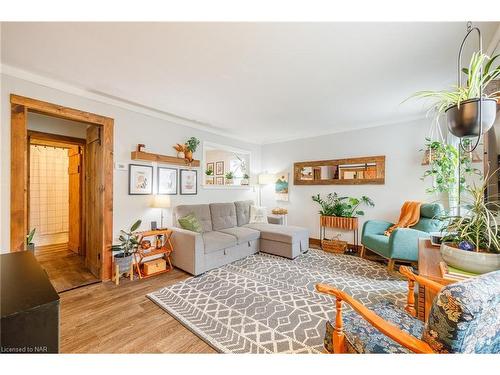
429, 258
29, 304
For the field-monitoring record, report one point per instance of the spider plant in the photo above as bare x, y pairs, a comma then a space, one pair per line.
478, 228
334, 205
475, 81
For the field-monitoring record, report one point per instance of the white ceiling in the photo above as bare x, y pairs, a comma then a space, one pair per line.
263, 82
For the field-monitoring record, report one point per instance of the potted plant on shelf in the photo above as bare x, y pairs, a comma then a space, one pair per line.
30, 245
188, 148
473, 244
129, 243
461, 104
191, 147
210, 176
229, 178
245, 180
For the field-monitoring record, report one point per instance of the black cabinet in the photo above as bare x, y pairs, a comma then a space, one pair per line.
29, 305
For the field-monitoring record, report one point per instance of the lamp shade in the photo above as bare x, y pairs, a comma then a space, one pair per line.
266, 179
161, 201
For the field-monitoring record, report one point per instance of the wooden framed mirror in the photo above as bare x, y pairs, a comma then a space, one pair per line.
353, 171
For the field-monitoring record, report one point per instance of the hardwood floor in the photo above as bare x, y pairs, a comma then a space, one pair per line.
104, 318
65, 268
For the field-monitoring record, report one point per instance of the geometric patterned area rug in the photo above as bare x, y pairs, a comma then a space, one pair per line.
268, 304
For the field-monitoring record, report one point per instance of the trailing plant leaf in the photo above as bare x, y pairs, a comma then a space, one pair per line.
443, 166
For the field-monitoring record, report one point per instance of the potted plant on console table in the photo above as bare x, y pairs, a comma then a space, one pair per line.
473, 244
341, 213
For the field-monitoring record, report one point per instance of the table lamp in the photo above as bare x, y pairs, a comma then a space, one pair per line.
161, 202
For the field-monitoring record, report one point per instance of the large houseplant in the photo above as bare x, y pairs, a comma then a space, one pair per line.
473, 244
341, 212
128, 246
462, 104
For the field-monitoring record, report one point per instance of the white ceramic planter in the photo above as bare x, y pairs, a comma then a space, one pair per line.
470, 261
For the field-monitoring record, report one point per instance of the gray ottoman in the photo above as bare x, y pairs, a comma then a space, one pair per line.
285, 241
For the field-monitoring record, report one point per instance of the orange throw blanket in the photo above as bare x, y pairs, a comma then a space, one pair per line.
410, 215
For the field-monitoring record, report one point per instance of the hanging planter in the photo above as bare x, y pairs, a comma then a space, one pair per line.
469, 111
468, 120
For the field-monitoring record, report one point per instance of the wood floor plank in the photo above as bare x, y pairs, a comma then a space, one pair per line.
104, 318
66, 269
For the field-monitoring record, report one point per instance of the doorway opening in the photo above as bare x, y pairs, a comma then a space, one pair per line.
88, 162
56, 202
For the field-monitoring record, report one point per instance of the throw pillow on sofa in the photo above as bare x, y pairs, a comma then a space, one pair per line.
258, 215
190, 222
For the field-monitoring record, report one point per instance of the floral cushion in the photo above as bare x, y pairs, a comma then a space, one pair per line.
465, 317
362, 337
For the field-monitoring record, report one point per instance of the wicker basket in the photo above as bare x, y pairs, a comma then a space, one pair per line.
334, 246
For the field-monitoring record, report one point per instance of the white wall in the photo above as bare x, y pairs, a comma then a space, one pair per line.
399, 143
130, 129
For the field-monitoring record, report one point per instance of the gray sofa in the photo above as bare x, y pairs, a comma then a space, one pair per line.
228, 236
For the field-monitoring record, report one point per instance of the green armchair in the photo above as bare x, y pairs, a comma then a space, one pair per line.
403, 242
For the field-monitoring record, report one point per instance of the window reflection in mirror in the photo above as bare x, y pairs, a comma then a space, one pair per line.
225, 165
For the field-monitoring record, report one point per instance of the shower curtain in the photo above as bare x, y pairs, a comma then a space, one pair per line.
49, 195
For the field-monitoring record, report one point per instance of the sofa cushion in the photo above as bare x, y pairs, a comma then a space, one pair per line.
378, 243
190, 222
223, 215
242, 234
201, 211
243, 212
215, 241
258, 215
280, 233
431, 210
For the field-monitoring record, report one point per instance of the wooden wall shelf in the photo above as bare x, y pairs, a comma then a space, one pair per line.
147, 156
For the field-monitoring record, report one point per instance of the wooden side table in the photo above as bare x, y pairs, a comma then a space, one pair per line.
165, 250
428, 266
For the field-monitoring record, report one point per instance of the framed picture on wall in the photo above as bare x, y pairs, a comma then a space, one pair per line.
219, 168
167, 181
140, 179
281, 186
210, 166
219, 180
189, 182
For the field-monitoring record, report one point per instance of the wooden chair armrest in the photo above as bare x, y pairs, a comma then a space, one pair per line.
425, 282
405, 339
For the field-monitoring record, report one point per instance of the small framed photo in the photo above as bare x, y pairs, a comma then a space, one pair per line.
140, 179
219, 180
167, 181
219, 168
189, 182
210, 166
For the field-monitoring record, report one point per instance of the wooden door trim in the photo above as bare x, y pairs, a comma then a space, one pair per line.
20, 106
50, 139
